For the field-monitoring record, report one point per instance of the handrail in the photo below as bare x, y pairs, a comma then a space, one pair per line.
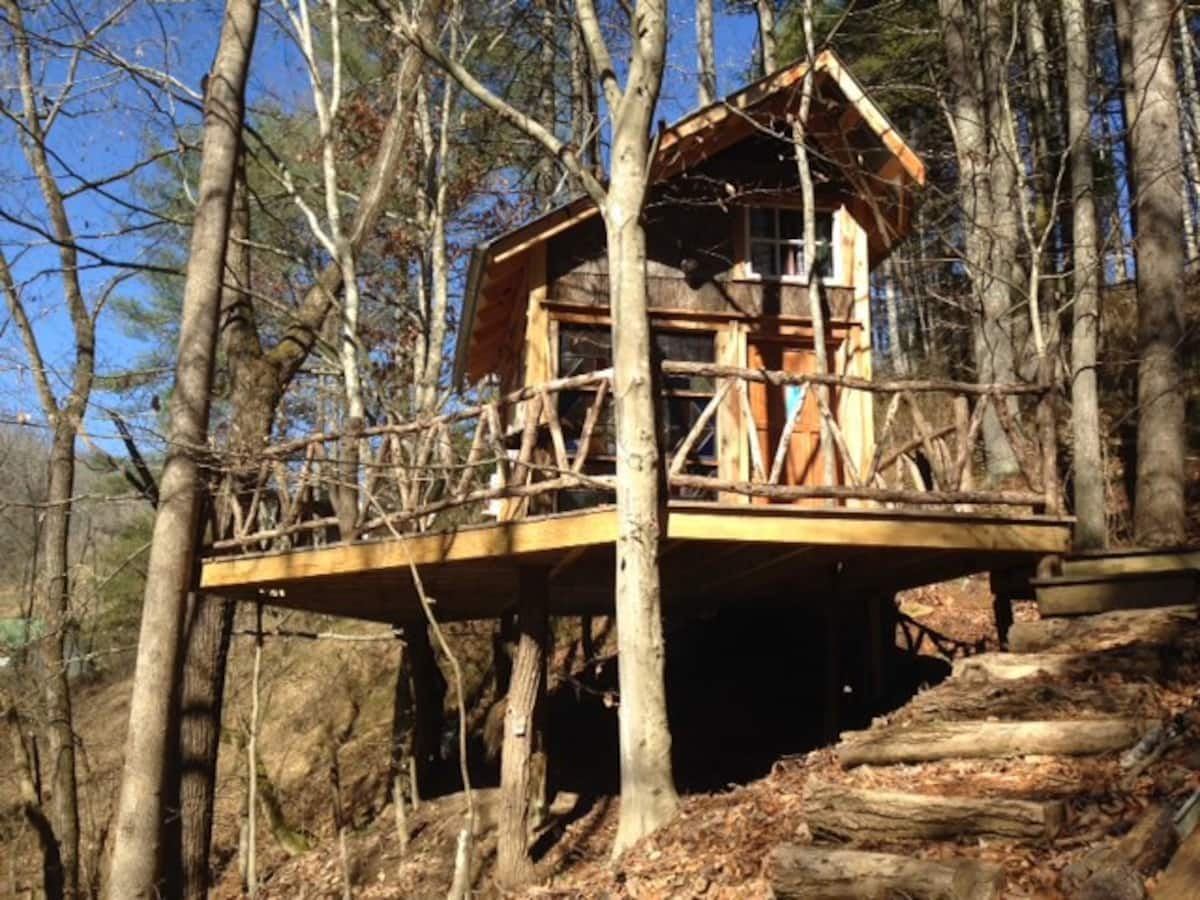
522, 454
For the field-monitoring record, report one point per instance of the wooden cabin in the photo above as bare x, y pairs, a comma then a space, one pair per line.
524, 478
727, 274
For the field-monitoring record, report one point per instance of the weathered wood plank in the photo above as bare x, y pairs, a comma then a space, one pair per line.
986, 740
815, 872
878, 815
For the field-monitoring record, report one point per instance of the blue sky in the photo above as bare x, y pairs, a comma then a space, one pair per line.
108, 130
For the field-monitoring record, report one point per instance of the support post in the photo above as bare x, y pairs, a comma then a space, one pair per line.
428, 698
833, 677
519, 769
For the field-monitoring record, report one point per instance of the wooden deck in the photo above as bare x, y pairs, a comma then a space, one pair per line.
713, 554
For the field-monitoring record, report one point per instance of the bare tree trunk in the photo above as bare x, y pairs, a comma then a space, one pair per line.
31, 808
809, 205
252, 759
137, 840
54, 599
1189, 101
765, 10
1090, 524
705, 53
1159, 514
207, 632
521, 726
896, 349
648, 797
987, 180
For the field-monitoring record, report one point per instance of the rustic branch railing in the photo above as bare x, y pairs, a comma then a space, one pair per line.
551, 446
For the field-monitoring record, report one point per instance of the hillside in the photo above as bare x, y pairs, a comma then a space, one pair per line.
719, 846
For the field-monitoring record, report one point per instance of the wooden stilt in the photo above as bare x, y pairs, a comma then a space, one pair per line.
1003, 611
429, 698
519, 766
833, 676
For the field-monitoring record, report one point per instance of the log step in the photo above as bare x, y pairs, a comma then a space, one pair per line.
986, 740
814, 872
1019, 699
1166, 625
877, 815
1138, 662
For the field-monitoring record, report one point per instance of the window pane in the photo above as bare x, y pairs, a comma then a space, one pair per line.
825, 227
762, 258
762, 223
582, 349
791, 224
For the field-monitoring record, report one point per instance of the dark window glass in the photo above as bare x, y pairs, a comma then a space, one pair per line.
777, 243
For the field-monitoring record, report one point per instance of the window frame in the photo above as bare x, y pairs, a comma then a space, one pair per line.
836, 278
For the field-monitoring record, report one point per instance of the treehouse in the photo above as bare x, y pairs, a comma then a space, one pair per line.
786, 480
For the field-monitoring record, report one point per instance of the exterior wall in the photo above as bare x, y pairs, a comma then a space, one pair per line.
699, 278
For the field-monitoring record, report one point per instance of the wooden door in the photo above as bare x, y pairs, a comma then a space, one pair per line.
771, 407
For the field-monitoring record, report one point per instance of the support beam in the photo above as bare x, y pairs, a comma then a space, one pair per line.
520, 784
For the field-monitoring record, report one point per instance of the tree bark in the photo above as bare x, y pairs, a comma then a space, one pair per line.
875, 815
986, 740
768, 45
521, 733
137, 838
987, 181
206, 637
1189, 110
1091, 530
706, 82
813, 872
1159, 514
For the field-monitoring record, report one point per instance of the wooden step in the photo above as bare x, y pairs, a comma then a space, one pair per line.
1131, 562
987, 740
877, 815
1164, 626
955, 700
816, 872
1140, 662
1083, 594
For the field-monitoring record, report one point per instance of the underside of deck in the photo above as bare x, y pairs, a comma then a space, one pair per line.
713, 554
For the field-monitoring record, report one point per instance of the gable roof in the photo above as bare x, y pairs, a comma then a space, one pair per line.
687, 142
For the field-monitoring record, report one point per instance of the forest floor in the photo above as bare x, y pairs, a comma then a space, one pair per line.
717, 847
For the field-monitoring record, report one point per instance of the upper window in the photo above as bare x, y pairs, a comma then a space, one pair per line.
776, 244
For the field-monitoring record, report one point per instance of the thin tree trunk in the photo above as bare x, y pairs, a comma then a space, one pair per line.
1189, 102
1090, 524
252, 759
986, 182
809, 206
54, 599
766, 35
706, 82
521, 725
209, 622
897, 352
1159, 514
137, 841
